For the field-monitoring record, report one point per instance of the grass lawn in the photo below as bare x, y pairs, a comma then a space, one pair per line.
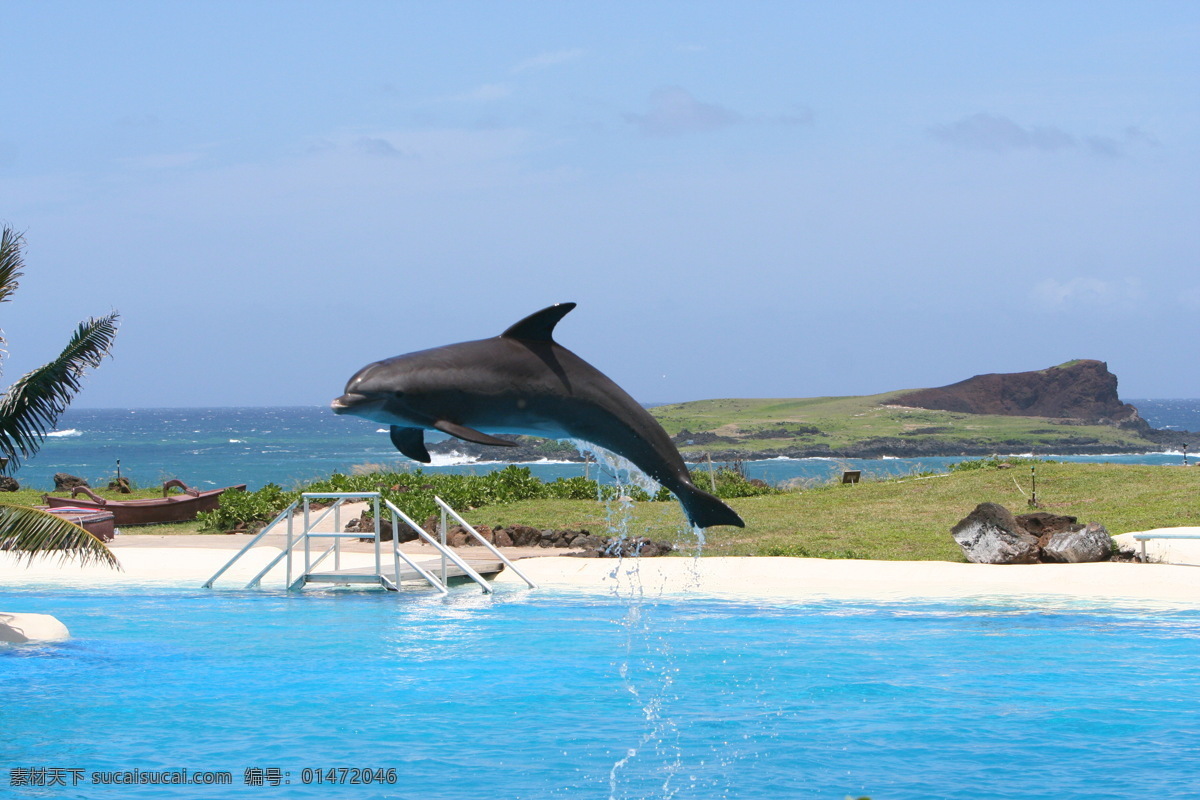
908, 519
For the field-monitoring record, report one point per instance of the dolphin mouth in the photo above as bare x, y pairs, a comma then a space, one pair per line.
348, 402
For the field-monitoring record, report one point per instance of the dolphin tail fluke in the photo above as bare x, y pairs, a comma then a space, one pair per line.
704, 511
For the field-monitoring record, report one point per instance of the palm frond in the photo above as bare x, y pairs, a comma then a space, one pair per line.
29, 532
10, 269
10, 261
31, 406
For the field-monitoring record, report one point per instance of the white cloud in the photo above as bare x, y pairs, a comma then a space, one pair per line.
139, 121
999, 134
486, 93
799, 115
548, 59
1190, 298
1081, 293
162, 161
673, 111
993, 132
376, 146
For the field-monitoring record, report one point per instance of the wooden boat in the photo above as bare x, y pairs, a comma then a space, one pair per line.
151, 510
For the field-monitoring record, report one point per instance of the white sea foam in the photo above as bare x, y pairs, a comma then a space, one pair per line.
451, 459
64, 434
237, 441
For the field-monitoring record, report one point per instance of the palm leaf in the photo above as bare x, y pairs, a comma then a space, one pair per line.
10, 269
29, 532
10, 261
31, 406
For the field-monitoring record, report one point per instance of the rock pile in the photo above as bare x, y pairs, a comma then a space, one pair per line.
991, 534
525, 536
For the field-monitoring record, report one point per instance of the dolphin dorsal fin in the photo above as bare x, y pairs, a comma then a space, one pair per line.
539, 326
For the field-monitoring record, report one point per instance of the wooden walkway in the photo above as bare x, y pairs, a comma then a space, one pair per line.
367, 575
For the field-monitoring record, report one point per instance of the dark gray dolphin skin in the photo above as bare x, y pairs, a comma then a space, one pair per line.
521, 382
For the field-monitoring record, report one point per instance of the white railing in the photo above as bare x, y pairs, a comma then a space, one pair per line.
1147, 535
446, 509
285, 514
446, 552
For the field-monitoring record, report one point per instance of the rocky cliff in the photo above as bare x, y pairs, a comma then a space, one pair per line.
1084, 390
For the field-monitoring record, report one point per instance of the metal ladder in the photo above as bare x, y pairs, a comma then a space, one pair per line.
296, 579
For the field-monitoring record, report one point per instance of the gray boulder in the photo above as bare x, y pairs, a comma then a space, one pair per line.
64, 482
8, 484
1093, 543
991, 535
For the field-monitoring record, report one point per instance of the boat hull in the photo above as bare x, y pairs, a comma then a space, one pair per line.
151, 511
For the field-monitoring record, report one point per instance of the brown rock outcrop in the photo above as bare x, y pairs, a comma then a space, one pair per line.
1083, 390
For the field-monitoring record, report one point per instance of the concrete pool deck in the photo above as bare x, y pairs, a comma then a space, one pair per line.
190, 560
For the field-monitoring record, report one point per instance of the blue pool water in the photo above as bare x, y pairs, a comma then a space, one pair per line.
543, 695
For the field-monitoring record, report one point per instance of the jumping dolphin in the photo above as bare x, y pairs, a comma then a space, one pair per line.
521, 382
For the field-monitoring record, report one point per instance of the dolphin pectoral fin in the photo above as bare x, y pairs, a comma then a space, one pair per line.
539, 326
470, 434
410, 442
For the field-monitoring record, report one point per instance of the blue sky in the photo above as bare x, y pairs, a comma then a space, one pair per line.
745, 199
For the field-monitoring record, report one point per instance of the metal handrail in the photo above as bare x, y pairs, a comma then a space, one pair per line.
445, 551
285, 513
397, 554
446, 508
286, 552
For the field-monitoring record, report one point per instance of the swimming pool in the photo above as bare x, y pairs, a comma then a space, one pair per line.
544, 695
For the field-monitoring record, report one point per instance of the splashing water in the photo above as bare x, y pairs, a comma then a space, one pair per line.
649, 666
624, 472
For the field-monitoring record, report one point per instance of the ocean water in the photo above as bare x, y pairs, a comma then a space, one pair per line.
1180, 415
527, 695
208, 447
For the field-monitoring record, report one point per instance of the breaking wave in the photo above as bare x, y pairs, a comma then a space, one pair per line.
451, 459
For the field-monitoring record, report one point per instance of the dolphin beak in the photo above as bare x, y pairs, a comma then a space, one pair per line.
347, 402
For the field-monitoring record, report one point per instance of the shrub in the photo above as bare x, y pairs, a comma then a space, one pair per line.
247, 507
413, 492
995, 461
730, 483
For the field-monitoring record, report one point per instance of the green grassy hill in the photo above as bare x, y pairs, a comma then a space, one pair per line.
871, 426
